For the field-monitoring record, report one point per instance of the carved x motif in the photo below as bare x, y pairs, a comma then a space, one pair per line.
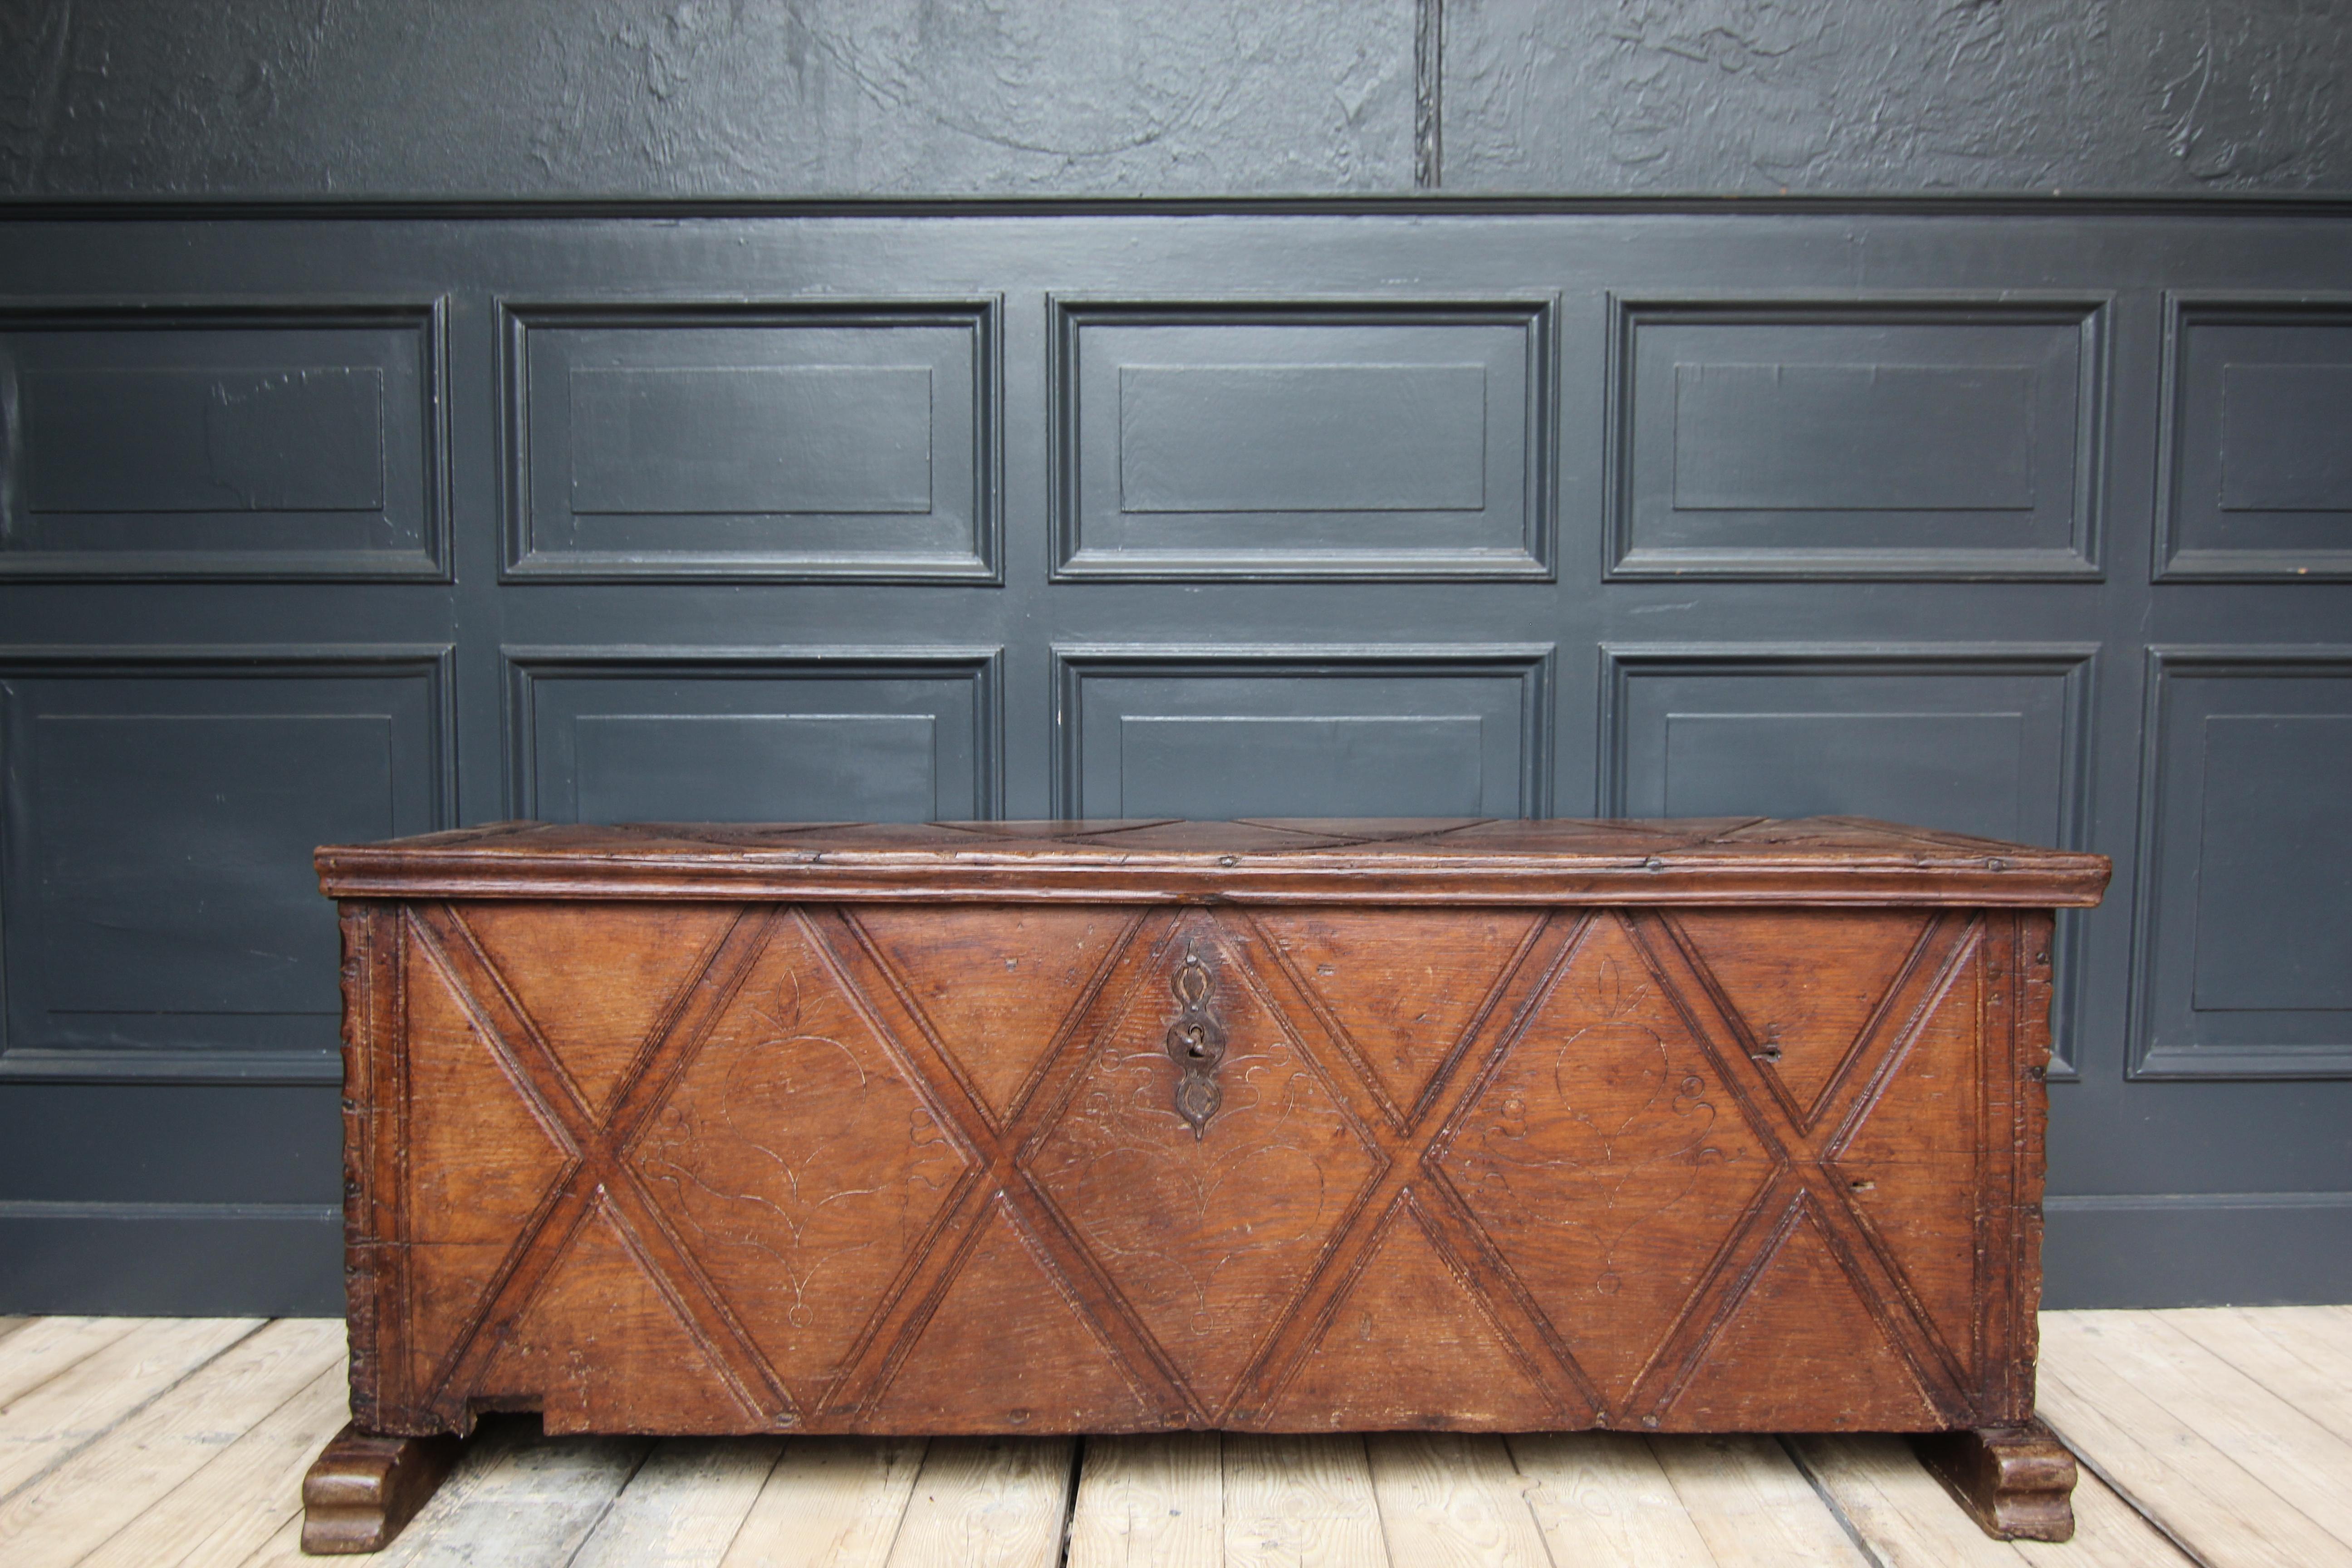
595, 1172
1803, 1148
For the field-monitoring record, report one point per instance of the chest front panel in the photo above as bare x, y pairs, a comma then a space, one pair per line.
1005, 1166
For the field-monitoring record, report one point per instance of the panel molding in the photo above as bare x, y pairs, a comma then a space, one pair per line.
2183, 309
2074, 665
1536, 314
1532, 665
2088, 311
427, 315
2144, 1059
516, 317
982, 668
434, 663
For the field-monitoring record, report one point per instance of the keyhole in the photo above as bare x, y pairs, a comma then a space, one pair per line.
1194, 1049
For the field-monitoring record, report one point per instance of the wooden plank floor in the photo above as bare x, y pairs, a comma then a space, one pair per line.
2219, 1437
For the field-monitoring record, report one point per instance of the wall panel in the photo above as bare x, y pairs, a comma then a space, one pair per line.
2257, 439
2245, 915
1833, 437
285, 440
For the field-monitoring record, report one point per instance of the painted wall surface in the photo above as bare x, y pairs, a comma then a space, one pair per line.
1212, 97
336, 518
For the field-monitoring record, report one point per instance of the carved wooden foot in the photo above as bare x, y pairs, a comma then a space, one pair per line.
362, 1488
2017, 1482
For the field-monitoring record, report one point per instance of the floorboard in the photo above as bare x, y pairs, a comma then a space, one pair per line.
1601, 1498
49, 1346
1300, 1503
1453, 1502
829, 1502
113, 1479
1753, 1506
996, 1501
63, 1415
518, 1500
232, 1507
166, 1443
2208, 1412
1150, 1502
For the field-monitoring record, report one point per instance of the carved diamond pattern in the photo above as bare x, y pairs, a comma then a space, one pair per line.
1599, 1124
827, 1179
798, 1164
1209, 1238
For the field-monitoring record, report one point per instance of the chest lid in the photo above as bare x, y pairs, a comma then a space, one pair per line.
1454, 860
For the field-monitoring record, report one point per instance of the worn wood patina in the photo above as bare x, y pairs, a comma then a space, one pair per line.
1284, 1126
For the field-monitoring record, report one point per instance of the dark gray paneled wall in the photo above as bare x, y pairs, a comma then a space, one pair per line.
2030, 521
1212, 97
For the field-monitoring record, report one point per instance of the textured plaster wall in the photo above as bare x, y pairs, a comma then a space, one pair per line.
1172, 97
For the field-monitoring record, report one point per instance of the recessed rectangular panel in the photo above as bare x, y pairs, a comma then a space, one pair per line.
2286, 438
1208, 734
678, 735
1959, 772
1265, 766
755, 767
1373, 439
257, 443
1853, 437
2246, 914
1273, 438
2274, 864
194, 440
175, 856
1858, 438
764, 439
2258, 435
760, 442
158, 891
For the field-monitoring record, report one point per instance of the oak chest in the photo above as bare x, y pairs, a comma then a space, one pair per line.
1116, 1127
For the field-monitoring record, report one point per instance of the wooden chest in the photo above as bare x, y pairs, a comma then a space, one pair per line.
1116, 1127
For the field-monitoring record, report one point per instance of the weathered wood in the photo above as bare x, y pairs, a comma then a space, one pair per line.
1602, 1499
50, 1346
2224, 1514
242, 1497
112, 1480
2265, 1435
685, 1505
1820, 860
68, 1413
1452, 1499
1898, 1508
829, 1502
2303, 1355
665, 1157
1752, 1505
364, 1486
2014, 1481
1300, 1502
1150, 1502
982, 1499
2109, 1533
520, 1500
